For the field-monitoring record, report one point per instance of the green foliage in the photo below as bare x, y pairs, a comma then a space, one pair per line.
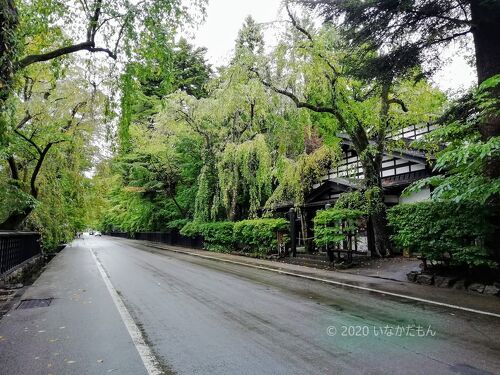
177, 224
464, 162
217, 236
297, 177
352, 200
258, 235
255, 236
245, 170
444, 230
334, 225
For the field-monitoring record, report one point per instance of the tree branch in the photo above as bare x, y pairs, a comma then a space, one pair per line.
74, 111
30, 141
94, 21
38, 166
400, 102
85, 46
448, 38
301, 104
309, 36
13, 168
25, 119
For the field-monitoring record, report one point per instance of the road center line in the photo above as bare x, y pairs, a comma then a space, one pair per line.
147, 356
338, 283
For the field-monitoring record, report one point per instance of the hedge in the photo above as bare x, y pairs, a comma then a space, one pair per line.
442, 231
256, 236
217, 236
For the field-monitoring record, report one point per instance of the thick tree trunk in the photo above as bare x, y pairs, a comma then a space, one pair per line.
378, 216
486, 31
16, 219
381, 238
372, 165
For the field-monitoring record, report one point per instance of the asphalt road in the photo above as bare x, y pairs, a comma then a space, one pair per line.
200, 316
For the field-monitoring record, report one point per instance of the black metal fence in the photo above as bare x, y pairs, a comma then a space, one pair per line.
173, 238
17, 247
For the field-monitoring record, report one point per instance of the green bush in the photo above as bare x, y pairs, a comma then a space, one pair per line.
328, 229
258, 235
442, 231
217, 236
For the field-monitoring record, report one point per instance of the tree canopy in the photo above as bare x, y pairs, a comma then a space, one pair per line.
140, 133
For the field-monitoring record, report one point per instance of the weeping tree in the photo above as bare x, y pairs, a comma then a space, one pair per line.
296, 178
244, 177
318, 71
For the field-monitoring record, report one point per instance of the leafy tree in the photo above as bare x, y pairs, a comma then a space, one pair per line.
32, 32
42, 184
419, 27
317, 71
413, 32
36, 31
48, 114
250, 40
191, 71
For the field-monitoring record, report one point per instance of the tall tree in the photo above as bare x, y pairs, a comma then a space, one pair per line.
48, 114
325, 76
418, 28
36, 31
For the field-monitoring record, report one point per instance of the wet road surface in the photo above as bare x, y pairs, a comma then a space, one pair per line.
200, 316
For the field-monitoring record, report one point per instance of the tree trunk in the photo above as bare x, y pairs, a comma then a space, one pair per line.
381, 241
8, 56
16, 219
486, 30
234, 196
378, 215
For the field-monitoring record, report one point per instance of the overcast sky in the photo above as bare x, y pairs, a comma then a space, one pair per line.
225, 18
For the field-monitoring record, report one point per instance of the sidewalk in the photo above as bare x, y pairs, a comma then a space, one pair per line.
79, 332
459, 299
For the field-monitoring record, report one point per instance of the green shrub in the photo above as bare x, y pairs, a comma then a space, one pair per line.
328, 229
176, 224
217, 236
258, 235
442, 231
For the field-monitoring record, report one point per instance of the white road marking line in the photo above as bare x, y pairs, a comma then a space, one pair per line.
147, 356
338, 283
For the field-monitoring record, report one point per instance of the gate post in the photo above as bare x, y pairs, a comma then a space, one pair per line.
293, 235
329, 251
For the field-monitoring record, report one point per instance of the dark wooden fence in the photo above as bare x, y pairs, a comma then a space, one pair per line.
173, 238
17, 247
